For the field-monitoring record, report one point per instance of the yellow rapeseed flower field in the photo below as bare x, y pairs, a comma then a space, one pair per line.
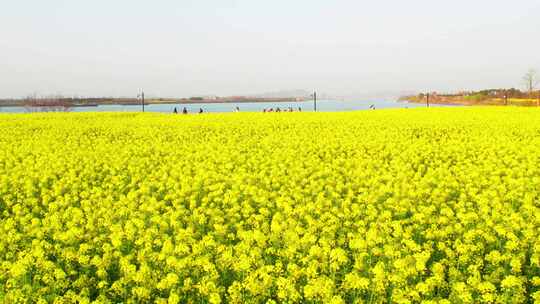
387, 206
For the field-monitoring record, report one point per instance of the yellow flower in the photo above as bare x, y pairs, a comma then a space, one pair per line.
433, 206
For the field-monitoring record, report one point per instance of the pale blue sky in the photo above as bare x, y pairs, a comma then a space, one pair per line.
183, 48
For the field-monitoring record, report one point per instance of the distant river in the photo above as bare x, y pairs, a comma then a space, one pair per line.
307, 106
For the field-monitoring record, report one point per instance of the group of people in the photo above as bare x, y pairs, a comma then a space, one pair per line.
237, 109
185, 111
290, 109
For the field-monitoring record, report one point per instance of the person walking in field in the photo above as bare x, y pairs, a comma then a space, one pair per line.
184, 111
200, 110
175, 111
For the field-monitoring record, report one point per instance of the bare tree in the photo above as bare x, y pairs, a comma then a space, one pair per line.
531, 81
52, 103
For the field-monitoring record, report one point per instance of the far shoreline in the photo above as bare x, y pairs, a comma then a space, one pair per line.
18, 103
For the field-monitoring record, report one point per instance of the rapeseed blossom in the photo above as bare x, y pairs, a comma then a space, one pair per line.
392, 206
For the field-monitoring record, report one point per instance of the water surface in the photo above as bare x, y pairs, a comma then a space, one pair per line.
322, 105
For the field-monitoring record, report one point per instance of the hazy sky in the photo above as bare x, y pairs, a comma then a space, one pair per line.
184, 48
